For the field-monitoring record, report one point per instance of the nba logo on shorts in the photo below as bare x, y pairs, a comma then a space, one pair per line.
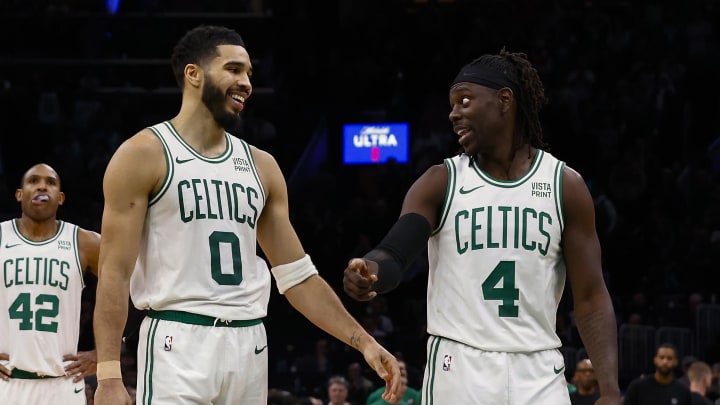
446, 362
168, 343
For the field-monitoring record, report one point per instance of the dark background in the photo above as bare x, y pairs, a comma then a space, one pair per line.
633, 90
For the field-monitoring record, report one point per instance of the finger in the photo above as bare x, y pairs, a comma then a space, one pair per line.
4, 356
359, 266
70, 357
358, 293
393, 382
80, 376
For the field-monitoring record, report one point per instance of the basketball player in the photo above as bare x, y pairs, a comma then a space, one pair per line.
504, 220
184, 204
44, 260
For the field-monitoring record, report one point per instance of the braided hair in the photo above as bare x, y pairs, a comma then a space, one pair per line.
531, 99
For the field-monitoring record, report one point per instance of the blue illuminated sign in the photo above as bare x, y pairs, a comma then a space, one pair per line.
375, 143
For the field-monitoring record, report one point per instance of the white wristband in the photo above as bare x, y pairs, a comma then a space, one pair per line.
292, 274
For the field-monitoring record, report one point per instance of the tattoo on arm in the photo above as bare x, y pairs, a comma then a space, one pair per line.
355, 340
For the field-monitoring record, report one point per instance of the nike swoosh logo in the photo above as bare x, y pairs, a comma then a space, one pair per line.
463, 191
79, 389
181, 161
8, 246
558, 370
260, 350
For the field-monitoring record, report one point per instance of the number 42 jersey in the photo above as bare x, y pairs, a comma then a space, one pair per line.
40, 298
496, 267
198, 248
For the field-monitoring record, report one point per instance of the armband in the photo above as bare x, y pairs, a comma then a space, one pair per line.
291, 274
108, 369
396, 252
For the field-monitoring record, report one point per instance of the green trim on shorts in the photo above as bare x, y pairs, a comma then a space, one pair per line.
29, 375
203, 320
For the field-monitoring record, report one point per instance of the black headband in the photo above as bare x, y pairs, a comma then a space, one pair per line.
486, 77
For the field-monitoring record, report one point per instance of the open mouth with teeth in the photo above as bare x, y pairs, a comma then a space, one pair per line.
463, 134
238, 101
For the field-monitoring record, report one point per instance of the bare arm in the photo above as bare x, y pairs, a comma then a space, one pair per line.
593, 307
427, 194
89, 242
425, 198
85, 363
132, 174
314, 298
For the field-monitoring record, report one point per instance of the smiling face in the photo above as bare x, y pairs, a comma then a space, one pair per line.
479, 115
226, 85
40, 194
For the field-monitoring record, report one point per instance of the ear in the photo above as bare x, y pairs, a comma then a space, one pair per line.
193, 75
506, 97
61, 198
18, 195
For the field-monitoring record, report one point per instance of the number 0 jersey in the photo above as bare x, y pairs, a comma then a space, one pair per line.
496, 267
198, 248
40, 298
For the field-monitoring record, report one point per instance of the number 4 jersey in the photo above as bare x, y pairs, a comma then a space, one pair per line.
198, 248
40, 298
496, 267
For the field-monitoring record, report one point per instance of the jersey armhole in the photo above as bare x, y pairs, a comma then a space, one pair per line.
559, 170
170, 168
449, 193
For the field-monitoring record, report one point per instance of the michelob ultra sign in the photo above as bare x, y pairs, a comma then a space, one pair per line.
375, 143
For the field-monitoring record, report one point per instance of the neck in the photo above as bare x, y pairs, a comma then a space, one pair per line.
37, 230
196, 125
508, 164
698, 387
663, 379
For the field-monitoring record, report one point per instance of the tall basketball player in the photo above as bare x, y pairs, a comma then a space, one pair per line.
502, 223
43, 263
185, 203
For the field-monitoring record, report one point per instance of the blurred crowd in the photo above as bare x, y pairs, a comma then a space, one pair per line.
634, 100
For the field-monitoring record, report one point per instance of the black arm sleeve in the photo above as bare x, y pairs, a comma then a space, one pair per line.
400, 247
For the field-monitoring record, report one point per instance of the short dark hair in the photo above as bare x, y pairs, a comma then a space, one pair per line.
200, 45
667, 345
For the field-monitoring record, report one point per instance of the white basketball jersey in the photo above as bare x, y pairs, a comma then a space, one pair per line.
496, 267
198, 248
40, 298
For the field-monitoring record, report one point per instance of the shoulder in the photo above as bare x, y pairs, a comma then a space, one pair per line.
261, 157
572, 177
144, 141
87, 237
138, 162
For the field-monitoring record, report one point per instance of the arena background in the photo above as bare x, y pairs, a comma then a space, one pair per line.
633, 89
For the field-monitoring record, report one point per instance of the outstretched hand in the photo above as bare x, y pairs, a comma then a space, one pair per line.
83, 364
359, 276
386, 366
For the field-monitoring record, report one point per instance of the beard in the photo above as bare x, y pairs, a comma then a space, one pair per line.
664, 371
215, 101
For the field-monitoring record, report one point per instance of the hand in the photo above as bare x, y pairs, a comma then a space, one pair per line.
359, 276
111, 391
4, 372
387, 367
83, 364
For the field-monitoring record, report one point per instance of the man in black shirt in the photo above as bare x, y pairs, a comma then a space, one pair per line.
586, 382
661, 387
